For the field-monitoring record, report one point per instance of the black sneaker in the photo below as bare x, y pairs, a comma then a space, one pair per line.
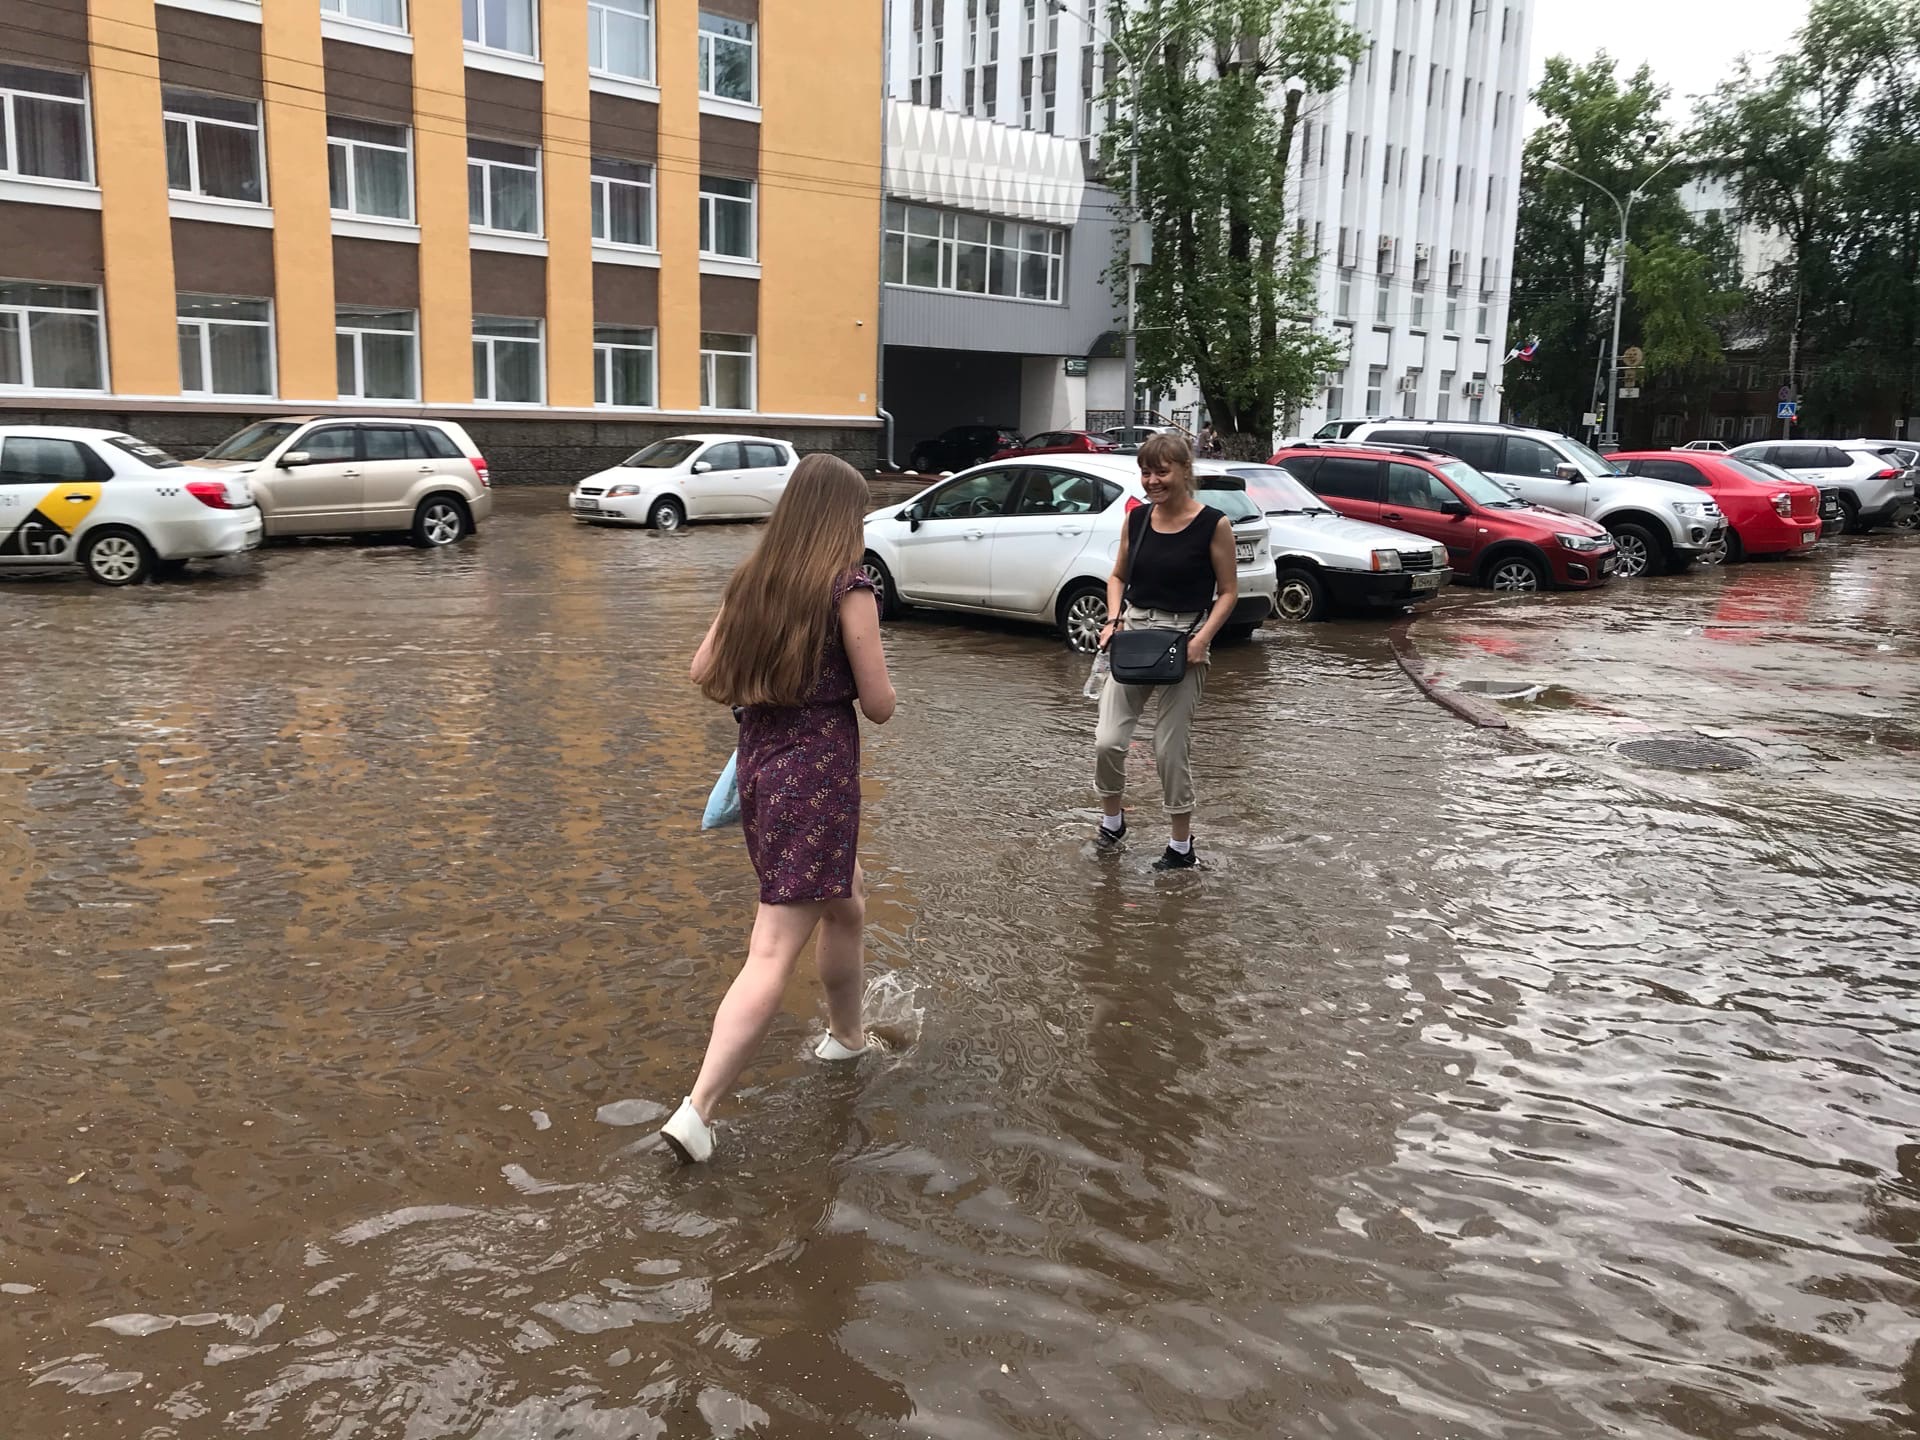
1105, 839
1174, 860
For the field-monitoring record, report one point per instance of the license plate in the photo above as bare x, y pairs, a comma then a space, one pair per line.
1423, 583
586, 507
1807, 537
1243, 552
1606, 566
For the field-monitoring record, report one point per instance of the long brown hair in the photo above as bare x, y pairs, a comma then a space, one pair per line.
778, 607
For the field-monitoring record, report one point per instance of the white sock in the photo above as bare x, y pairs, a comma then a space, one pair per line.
1114, 823
1180, 847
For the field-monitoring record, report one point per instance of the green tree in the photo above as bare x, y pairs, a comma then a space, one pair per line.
1229, 300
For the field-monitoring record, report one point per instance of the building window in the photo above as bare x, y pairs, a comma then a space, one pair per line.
50, 336
506, 361
226, 346
1030, 27
1343, 291
623, 203
1479, 390
503, 187
930, 249
370, 168
726, 372
1336, 401
620, 38
726, 59
622, 366
1419, 310
1480, 314
1382, 300
1376, 387
374, 354
726, 218
43, 124
508, 25
1453, 312
213, 146
1444, 404
1753, 427
391, 13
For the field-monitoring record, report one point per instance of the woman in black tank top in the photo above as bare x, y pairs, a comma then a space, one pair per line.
1176, 569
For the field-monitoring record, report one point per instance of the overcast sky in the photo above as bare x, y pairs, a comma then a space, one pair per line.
1691, 44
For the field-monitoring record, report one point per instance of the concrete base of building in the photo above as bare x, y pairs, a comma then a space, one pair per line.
521, 449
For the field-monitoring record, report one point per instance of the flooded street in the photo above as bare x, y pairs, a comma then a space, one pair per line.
359, 932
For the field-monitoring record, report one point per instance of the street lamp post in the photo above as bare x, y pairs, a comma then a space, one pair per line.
1620, 279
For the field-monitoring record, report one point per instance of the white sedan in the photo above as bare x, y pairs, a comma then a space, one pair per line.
690, 477
121, 508
1036, 539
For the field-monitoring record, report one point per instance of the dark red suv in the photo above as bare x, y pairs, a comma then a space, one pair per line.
1492, 538
1059, 442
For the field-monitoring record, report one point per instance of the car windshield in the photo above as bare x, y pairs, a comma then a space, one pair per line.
149, 454
1277, 492
661, 455
1234, 502
1477, 487
256, 442
1591, 461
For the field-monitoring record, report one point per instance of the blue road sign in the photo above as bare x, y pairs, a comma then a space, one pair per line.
1788, 410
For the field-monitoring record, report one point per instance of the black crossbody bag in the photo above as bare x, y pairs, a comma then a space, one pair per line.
1153, 656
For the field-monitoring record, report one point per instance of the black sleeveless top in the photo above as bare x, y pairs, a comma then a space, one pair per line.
1171, 572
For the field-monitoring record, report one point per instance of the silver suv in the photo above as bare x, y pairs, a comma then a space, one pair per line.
343, 475
1873, 479
1656, 525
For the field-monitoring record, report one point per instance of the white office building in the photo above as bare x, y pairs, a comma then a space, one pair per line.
997, 310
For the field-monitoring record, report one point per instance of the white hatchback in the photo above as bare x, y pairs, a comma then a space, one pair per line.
1036, 539
121, 508
690, 477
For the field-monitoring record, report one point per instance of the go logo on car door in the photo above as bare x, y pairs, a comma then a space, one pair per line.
53, 514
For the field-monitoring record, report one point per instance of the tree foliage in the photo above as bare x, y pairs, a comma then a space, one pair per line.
1230, 298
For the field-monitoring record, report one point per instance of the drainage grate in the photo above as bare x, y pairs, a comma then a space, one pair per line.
1686, 752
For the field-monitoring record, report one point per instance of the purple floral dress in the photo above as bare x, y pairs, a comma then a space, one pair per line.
799, 778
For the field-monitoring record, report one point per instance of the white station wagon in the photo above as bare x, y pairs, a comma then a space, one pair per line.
121, 508
690, 477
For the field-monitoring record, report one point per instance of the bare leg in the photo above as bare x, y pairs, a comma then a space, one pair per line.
779, 935
839, 956
1181, 825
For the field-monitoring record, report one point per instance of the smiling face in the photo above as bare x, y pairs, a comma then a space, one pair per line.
1166, 469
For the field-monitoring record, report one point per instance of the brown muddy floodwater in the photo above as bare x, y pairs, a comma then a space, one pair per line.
358, 930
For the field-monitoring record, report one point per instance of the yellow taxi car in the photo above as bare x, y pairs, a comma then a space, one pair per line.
120, 508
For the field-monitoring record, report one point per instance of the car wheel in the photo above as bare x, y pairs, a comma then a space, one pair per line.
1637, 553
1907, 519
1732, 552
440, 520
1850, 517
919, 461
876, 571
667, 515
115, 555
1238, 633
1083, 615
1517, 573
1301, 596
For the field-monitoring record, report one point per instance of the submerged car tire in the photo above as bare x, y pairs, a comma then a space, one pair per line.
1516, 573
1082, 614
1639, 552
1238, 633
875, 569
1302, 597
1732, 552
667, 516
116, 555
441, 520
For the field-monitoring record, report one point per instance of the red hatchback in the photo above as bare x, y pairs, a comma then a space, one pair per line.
1060, 442
1492, 537
1765, 516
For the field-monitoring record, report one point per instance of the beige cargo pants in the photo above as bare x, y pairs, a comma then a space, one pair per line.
1121, 707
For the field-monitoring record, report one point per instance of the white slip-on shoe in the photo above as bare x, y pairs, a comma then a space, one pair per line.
831, 1049
689, 1135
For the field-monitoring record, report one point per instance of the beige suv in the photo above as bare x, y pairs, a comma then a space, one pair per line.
328, 475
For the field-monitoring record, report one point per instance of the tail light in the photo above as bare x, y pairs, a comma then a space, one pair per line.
212, 494
479, 463
1888, 474
1783, 504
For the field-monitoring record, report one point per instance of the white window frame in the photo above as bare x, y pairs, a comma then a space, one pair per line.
484, 42
9, 151
337, 9
948, 223
21, 314
708, 69
605, 183
603, 364
486, 189
710, 202
709, 370
539, 342
352, 196
193, 124
1376, 391
203, 325
597, 26
345, 312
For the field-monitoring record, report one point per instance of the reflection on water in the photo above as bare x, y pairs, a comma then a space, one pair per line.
360, 927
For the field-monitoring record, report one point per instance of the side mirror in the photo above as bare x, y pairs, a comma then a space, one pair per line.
1567, 470
1455, 508
293, 459
701, 467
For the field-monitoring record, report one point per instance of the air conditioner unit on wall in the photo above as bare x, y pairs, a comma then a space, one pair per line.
1423, 252
1408, 384
1474, 389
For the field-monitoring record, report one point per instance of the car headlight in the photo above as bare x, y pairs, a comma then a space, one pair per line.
1691, 510
617, 491
1582, 543
1386, 559
1439, 553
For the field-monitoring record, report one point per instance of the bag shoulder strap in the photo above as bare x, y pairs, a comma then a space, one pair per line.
1141, 521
